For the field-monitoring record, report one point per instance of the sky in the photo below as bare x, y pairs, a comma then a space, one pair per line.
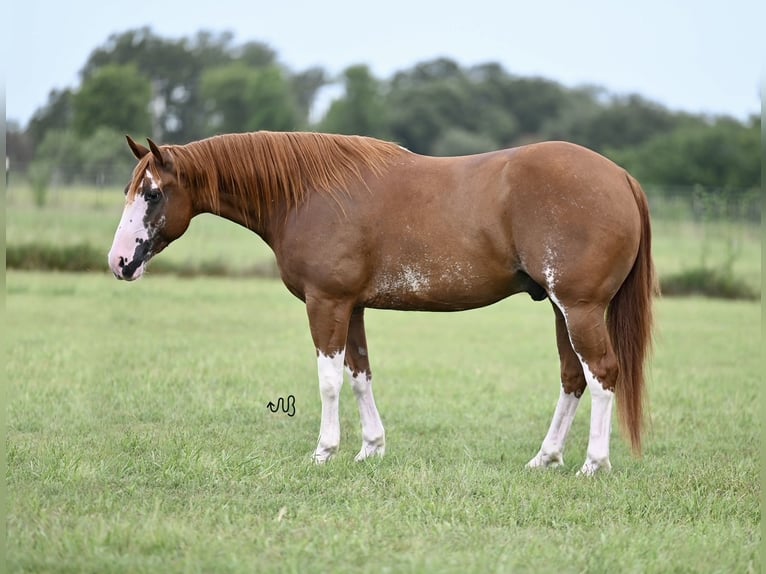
699, 56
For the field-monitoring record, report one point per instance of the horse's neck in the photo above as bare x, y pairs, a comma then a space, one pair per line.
247, 214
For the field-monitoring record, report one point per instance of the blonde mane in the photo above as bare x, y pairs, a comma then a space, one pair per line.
268, 169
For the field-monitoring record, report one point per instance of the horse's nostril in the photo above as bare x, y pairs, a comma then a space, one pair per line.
121, 263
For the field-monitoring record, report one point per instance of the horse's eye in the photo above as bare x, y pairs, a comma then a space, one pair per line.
152, 196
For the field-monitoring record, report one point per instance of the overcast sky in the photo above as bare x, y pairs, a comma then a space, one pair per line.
698, 56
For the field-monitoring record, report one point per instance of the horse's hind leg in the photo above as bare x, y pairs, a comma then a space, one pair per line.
358, 367
573, 384
588, 334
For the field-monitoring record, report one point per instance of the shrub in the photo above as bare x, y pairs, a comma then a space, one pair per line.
709, 282
35, 256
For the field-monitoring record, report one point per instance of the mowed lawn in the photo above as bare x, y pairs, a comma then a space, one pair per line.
139, 440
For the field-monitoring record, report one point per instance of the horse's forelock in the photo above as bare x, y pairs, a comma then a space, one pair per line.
139, 172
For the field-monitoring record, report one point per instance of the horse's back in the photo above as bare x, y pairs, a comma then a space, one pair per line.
463, 232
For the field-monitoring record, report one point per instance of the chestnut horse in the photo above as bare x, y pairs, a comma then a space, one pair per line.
356, 222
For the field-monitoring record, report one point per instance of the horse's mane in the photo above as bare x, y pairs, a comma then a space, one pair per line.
268, 169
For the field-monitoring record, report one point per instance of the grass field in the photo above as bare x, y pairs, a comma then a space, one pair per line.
139, 440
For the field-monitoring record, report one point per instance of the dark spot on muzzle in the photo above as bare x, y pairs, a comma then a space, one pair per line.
140, 255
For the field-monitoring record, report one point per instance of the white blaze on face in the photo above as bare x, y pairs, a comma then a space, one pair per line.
130, 235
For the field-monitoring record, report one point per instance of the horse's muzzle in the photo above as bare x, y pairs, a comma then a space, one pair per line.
123, 269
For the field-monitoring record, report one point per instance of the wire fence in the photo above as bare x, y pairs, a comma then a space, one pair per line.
699, 204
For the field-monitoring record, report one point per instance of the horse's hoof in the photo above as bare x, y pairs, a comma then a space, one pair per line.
370, 450
322, 455
551, 460
592, 467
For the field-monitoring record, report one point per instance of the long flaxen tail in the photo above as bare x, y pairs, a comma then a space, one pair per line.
630, 322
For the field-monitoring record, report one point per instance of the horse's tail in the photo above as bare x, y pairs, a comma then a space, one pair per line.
629, 322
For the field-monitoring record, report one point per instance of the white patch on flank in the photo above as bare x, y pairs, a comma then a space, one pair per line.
330, 382
549, 269
408, 279
414, 279
373, 435
456, 272
551, 452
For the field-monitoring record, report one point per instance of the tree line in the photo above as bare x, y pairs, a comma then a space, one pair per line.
179, 90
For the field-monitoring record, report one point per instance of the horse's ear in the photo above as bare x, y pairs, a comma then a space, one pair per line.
162, 159
138, 150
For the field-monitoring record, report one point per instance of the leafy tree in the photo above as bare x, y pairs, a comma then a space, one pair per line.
177, 68
491, 116
305, 85
105, 158
116, 97
581, 106
438, 96
56, 114
58, 159
18, 145
725, 154
256, 55
174, 68
240, 98
426, 100
274, 107
533, 101
623, 122
361, 110
460, 142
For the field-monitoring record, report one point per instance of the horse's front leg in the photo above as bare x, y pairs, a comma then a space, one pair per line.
358, 366
329, 320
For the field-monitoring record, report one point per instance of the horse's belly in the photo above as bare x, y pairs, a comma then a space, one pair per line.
454, 286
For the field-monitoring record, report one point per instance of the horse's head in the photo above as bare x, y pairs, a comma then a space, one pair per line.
157, 211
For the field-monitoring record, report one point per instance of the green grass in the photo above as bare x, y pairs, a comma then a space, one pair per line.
138, 439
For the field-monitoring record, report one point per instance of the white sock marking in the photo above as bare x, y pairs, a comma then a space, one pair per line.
373, 435
552, 450
600, 425
330, 382
597, 457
